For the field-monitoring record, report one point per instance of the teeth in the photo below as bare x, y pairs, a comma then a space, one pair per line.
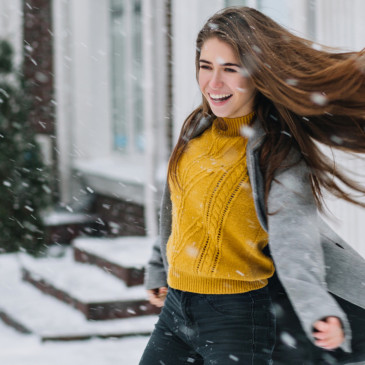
214, 96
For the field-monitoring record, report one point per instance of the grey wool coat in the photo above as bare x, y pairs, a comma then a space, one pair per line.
311, 260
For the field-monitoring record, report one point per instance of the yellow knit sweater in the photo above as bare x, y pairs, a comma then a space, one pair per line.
216, 242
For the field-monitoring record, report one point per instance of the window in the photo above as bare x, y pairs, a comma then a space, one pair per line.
127, 94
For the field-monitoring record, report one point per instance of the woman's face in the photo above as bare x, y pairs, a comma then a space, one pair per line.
221, 80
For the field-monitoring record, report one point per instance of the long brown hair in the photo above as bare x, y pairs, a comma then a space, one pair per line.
305, 94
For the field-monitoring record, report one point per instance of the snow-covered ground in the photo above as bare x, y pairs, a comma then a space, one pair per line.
44, 314
19, 349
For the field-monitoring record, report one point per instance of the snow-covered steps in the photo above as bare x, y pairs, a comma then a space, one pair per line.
63, 227
94, 292
26, 307
124, 257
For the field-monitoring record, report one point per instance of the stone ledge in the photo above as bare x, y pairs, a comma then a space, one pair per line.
130, 276
93, 310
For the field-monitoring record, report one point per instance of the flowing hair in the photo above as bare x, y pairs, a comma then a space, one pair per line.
305, 94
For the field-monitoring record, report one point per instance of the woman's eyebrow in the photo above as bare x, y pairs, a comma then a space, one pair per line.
223, 64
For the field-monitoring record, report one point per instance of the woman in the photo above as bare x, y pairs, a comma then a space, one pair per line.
240, 208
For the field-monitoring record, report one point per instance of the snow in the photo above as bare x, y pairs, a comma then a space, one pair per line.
292, 82
247, 131
45, 316
60, 218
36, 311
84, 282
129, 252
18, 349
319, 98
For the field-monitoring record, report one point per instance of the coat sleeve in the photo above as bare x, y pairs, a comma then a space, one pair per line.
157, 267
294, 236
155, 274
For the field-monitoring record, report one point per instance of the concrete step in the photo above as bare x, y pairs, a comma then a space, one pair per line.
123, 257
63, 227
30, 311
95, 293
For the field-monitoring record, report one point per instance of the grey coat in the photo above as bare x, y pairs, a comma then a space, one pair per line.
310, 259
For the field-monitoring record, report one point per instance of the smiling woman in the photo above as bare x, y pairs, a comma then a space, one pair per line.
230, 93
245, 269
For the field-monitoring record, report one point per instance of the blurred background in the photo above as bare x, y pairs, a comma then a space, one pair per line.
93, 94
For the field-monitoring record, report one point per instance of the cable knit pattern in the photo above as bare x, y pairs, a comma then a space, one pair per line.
216, 242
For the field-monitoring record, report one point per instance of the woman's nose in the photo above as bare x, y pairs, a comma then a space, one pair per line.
216, 81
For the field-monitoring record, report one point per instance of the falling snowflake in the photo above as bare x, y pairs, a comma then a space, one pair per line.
316, 46
286, 133
292, 82
257, 49
247, 131
29, 208
234, 358
220, 61
336, 139
288, 340
319, 98
192, 251
244, 72
213, 26
89, 189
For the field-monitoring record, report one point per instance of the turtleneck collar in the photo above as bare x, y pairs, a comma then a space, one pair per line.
232, 126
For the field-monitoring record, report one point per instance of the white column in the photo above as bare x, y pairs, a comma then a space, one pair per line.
128, 59
188, 17
160, 90
63, 94
148, 101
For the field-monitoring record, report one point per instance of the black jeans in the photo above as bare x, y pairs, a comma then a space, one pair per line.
237, 329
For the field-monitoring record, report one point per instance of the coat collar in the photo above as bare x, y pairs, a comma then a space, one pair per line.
258, 135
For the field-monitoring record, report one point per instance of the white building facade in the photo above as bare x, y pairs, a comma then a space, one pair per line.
118, 63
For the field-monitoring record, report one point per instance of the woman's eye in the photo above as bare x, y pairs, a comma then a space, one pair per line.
204, 67
230, 70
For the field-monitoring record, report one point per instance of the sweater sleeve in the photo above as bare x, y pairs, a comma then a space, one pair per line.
294, 238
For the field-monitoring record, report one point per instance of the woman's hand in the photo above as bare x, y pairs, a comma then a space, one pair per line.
157, 296
329, 333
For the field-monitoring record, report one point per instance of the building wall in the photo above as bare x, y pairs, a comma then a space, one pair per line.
340, 23
38, 63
